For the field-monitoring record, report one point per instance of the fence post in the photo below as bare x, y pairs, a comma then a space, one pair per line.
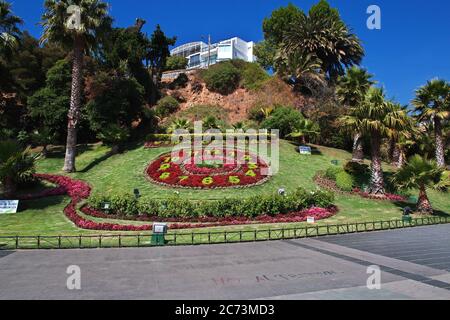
59, 242
17, 242
192, 238
79, 242
100, 241
256, 234
139, 240
39, 242
209, 237
240, 236
317, 231
225, 237
120, 241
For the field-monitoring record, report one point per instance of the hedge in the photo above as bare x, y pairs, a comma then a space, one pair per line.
274, 204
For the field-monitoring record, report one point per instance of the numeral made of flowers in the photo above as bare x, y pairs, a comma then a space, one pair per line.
165, 176
167, 159
183, 178
250, 173
253, 166
234, 180
164, 167
208, 181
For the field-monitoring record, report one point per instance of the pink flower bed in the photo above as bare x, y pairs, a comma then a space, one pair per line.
78, 190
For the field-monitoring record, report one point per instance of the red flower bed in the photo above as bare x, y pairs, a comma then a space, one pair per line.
245, 171
79, 190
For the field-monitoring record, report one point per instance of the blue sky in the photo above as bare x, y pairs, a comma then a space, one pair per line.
412, 46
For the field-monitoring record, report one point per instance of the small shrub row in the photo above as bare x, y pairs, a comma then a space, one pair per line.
128, 205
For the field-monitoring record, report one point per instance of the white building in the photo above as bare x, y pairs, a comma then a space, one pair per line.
200, 55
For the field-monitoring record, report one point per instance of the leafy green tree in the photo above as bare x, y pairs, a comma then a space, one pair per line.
158, 53
115, 102
322, 33
223, 77
265, 52
419, 173
176, 63
432, 104
166, 106
83, 38
9, 30
351, 91
285, 119
16, 166
47, 108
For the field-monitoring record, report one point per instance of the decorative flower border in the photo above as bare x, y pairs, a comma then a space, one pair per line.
164, 172
331, 185
79, 190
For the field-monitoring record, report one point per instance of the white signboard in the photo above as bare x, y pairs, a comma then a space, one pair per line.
305, 150
8, 206
311, 220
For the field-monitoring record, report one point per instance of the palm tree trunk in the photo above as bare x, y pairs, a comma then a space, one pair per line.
440, 155
401, 159
424, 205
75, 107
395, 155
358, 152
377, 180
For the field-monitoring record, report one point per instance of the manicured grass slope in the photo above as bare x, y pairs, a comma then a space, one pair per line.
125, 172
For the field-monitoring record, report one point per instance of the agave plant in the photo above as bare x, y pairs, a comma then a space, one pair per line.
179, 124
16, 166
420, 173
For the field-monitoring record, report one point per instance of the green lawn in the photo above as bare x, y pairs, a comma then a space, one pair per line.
125, 172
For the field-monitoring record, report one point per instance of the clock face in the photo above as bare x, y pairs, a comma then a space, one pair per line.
216, 169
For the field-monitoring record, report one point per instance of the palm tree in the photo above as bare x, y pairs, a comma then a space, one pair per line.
376, 119
322, 33
16, 166
306, 129
401, 139
301, 68
419, 173
179, 124
83, 38
9, 31
351, 91
267, 112
432, 104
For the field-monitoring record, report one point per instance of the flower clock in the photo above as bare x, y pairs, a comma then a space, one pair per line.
209, 169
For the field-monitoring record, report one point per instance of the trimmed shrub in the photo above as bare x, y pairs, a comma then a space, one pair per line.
166, 106
332, 172
223, 77
248, 207
176, 63
344, 181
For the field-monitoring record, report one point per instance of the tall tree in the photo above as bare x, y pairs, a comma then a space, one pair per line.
322, 32
83, 37
351, 91
432, 104
376, 119
9, 30
157, 54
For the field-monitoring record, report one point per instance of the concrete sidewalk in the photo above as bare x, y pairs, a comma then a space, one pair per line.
324, 268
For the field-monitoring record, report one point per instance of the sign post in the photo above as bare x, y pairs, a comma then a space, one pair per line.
9, 206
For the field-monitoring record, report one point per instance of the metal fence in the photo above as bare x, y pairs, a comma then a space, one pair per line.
200, 238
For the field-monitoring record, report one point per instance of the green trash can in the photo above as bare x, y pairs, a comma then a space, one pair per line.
159, 233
